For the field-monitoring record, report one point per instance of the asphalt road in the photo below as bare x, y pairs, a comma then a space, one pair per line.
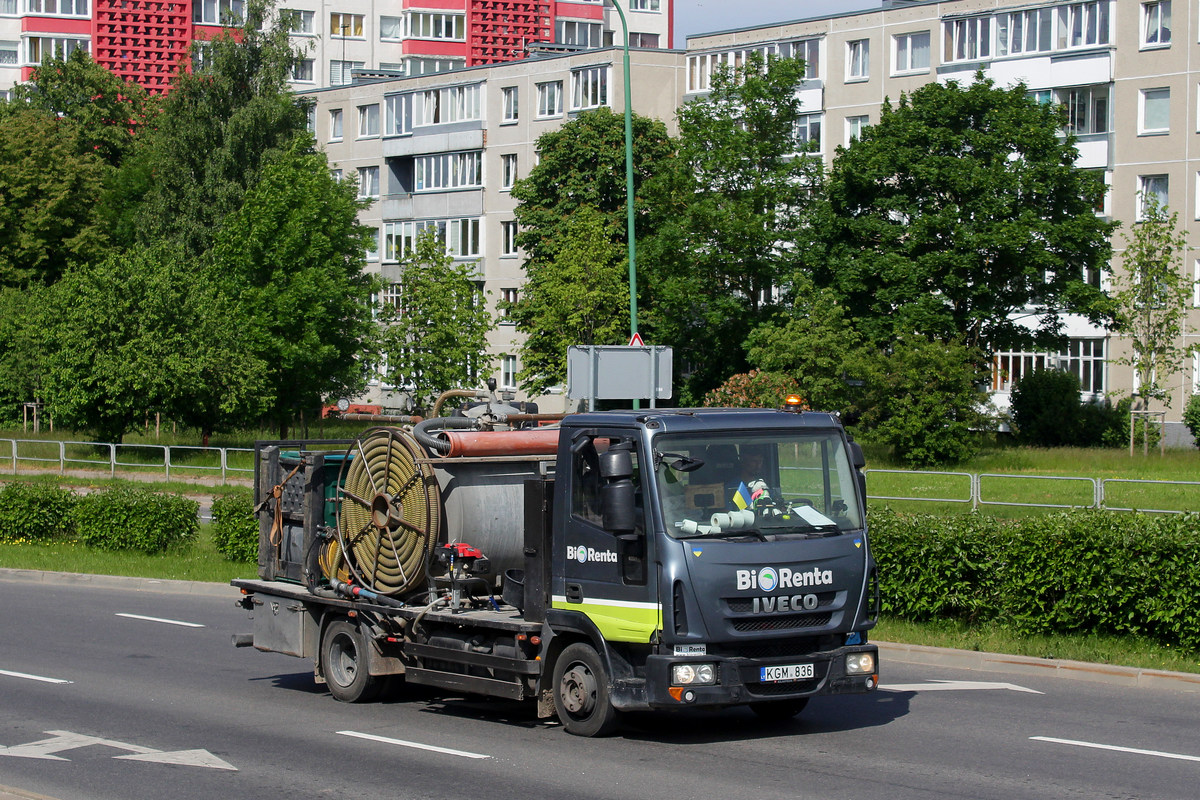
105, 695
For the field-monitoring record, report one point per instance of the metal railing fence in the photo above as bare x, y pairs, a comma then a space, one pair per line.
170, 460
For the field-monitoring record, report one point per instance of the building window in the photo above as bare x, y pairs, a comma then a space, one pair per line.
57, 8
968, 39
1084, 358
643, 5
508, 372
1151, 186
39, 47
858, 59
302, 70
550, 100
391, 29
460, 237
341, 72
368, 182
372, 253
508, 170
298, 21
218, 12
8, 8
429, 66
335, 124
1156, 24
1087, 109
9, 54
508, 298
1083, 24
854, 127
809, 51
449, 104
1196, 289
1155, 111
808, 132
368, 120
1025, 32
398, 114
647, 41
510, 98
449, 171
336, 174
508, 238
912, 52
589, 88
434, 25
349, 26
583, 34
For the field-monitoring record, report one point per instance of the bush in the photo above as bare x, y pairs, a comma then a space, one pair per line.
753, 389
1117, 432
235, 530
1082, 571
133, 518
35, 512
1046, 408
1191, 417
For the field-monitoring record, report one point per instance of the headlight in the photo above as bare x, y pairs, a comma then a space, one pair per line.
693, 674
860, 664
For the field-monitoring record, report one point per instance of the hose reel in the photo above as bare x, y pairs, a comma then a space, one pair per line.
389, 514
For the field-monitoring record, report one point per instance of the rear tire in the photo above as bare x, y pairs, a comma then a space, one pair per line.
344, 663
581, 695
780, 710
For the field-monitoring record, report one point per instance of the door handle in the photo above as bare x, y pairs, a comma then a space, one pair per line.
574, 593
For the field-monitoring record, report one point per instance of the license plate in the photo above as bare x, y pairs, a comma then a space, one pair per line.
786, 672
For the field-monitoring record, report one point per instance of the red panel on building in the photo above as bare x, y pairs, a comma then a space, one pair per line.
143, 41
500, 30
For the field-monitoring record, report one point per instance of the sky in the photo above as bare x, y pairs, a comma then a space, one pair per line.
704, 16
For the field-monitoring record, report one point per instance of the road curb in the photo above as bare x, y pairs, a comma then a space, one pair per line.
1043, 667
37, 576
9, 793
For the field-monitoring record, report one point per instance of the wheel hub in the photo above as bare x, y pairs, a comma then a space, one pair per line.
578, 689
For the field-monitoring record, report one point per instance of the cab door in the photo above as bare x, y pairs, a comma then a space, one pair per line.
604, 573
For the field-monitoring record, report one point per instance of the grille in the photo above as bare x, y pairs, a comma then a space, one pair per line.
745, 605
790, 687
794, 647
779, 622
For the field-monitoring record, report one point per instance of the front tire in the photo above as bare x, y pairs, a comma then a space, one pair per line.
581, 695
344, 663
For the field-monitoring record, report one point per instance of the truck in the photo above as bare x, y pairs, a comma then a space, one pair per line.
611, 561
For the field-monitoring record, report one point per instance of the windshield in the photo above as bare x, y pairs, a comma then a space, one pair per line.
761, 485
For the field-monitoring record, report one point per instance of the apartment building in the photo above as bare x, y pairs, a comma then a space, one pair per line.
1128, 73
145, 41
444, 150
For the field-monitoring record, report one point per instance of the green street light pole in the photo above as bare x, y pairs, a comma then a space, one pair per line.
629, 180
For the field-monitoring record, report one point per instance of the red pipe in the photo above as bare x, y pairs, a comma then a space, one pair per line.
501, 443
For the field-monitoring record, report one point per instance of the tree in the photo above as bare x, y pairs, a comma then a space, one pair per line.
224, 121
581, 298
959, 209
107, 111
733, 214
1151, 298
435, 339
22, 350
291, 260
135, 335
49, 194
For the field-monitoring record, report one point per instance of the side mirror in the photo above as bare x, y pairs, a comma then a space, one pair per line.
856, 456
617, 501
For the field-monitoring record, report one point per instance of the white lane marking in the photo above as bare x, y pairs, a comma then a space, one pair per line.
416, 745
1115, 748
160, 619
186, 758
61, 741
943, 686
29, 677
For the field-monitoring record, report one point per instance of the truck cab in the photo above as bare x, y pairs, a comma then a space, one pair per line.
707, 557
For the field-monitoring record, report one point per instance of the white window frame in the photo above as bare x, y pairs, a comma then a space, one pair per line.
436, 26
644, 5
1161, 93
392, 30
304, 71
902, 53
9, 8
368, 182
855, 125
372, 251
550, 99
585, 33
508, 372
337, 121
448, 104
508, 170
218, 12
368, 121
447, 171
507, 295
589, 88
805, 125
60, 47
300, 22
398, 114
1196, 287
510, 98
967, 39
858, 60
1147, 185
58, 8
462, 237
341, 73
14, 48
1083, 25
508, 237
1024, 32
353, 24
1155, 25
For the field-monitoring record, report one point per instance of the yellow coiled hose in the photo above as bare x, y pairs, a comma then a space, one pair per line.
389, 514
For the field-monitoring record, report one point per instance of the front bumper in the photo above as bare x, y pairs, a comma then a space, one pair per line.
738, 679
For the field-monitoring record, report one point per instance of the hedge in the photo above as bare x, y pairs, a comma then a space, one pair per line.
235, 530
134, 518
35, 512
1086, 571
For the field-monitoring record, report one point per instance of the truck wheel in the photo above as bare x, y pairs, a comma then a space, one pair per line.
344, 662
581, 695
780, 710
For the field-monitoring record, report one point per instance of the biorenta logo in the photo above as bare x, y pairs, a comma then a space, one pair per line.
767, 579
